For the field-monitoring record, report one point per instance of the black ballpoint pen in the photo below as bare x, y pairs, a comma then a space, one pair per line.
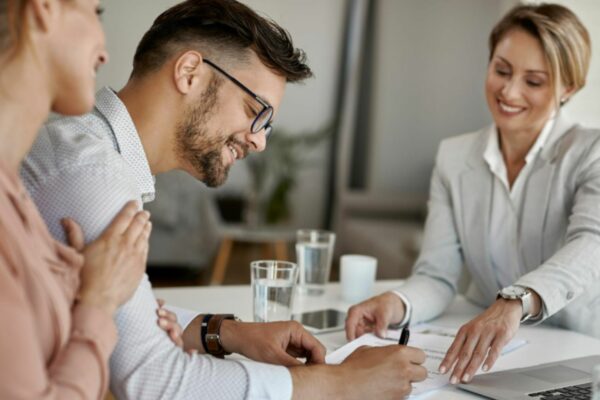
404, 335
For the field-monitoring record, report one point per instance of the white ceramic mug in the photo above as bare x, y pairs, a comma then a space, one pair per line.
357, 277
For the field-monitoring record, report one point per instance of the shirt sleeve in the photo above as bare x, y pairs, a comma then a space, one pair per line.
434, 282
79, 371
146, 364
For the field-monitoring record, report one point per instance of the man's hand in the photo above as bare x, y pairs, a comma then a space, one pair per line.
482, 338
272, 342
374, 315
167, 321
369, 372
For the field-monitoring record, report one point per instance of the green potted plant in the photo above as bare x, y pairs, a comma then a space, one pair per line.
274, 173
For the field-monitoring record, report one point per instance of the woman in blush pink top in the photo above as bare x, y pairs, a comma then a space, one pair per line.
56, 302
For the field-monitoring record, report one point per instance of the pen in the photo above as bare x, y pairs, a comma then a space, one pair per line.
404, 335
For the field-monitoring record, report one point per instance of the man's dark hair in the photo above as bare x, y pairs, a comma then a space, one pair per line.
222, 30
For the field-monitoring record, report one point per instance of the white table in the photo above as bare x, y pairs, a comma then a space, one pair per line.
545, 344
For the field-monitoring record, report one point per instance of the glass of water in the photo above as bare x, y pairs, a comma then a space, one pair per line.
273, 284
314, 251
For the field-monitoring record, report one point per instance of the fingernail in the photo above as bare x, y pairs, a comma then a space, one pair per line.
162, 323
442, 369
454, 380
466, 377
486, 368
162, 312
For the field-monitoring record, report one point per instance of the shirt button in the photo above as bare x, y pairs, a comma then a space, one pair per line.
570, 295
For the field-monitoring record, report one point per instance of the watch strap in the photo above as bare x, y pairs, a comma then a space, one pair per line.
203, 330
213, 335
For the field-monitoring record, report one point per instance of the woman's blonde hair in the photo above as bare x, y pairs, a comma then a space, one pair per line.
12, 26
564, 40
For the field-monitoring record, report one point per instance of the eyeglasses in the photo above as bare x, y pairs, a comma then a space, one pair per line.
263, 118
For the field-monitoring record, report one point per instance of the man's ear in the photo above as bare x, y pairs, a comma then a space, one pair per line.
188, 72
43, 14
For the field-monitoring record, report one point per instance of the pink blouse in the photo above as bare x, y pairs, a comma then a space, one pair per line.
50, 347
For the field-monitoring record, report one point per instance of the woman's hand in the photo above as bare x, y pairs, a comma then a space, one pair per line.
115, 262
482, 338
167, 320
374, 315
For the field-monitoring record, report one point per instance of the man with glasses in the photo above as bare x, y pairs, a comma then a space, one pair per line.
207, 79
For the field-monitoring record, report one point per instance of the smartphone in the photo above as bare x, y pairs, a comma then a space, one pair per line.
322, 321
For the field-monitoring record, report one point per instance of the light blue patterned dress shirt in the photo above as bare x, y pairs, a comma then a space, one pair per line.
87, 168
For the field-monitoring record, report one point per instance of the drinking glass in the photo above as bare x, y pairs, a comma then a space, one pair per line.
357, 277
273, 284
314, 251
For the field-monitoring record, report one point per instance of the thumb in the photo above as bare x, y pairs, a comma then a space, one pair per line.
74, 234
382, 321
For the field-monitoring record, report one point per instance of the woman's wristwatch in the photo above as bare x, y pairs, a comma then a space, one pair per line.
519, 293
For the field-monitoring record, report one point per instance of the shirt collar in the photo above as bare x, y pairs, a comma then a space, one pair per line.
127, 138
493, 155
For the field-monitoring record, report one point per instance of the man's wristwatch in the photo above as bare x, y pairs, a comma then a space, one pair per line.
213, 335
520, 293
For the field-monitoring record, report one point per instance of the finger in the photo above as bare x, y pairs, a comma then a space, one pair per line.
161, 302
121, 222
170, 316
452, 353
352, 322
417, 373
414, 355
361, 329
74, 233
299, 337
477, 358
69, 254
137, 227
142, 240
495, 351
315, 349
175, 335
464, 357
382, 320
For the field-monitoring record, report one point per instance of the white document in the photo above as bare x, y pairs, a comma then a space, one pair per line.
433, 340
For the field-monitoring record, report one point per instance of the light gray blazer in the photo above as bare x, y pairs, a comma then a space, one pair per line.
559, 229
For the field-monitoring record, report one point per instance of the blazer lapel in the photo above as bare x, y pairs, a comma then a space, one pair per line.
475, 193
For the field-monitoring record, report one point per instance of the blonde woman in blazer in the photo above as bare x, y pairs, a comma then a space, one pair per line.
517, 203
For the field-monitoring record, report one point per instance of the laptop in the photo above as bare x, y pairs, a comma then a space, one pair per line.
568, 379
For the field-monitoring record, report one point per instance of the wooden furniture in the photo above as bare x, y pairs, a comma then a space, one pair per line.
275, 242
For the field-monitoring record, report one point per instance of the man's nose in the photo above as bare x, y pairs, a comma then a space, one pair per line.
257, 141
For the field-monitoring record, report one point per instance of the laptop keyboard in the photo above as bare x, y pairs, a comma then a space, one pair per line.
577, 392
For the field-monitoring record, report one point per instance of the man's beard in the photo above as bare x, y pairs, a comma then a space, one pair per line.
194, 144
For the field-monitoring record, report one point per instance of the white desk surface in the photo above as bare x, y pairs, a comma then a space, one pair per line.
545, 344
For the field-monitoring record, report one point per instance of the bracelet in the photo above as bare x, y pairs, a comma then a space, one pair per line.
204, 330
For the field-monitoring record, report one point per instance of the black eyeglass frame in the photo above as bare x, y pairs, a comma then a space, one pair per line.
267, 109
